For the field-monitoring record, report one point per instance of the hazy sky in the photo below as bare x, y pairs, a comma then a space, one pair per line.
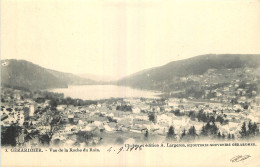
117, 38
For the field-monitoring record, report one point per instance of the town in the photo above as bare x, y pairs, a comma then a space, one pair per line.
40, 118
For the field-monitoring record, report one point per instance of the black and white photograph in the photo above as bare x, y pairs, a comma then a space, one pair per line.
141, 78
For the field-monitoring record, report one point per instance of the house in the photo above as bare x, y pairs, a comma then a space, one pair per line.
71, 118
61, 107
136, 110
108, 128
163, 118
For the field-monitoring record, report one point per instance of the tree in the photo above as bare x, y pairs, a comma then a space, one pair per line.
246, 106
255, 128
183, 134
214, 128
234, 101
229, 136
220, 119
192, 131
53, 103
219, 135
212, 118
152, 117
209, 129
232, 136
250, 131
9, 135
171, 134
191, 135
243, 131
2, 100
202, 116
192, 115
203, 131
86, 137
223, 136
146, 135
45, 139
238, 110
176, 112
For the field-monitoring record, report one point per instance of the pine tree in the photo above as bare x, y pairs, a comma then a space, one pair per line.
229, 136
223, 136
192, 131
146, 134
243, 131
171, 134
207, 116
203, 131
256, 129
152, 117
220, 119
183, 134
250, 131
219, 135
212, 118
207, 127
214, 129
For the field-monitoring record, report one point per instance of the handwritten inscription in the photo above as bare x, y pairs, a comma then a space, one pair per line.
127, 147
239, 158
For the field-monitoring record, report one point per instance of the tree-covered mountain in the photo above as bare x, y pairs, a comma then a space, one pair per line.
24, 74
71, 79
159, 78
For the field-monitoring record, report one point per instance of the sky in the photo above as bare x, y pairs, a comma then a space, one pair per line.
117, 37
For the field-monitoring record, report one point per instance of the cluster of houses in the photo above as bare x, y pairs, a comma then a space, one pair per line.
106, 118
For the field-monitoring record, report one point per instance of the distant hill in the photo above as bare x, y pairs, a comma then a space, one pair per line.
149, 78
98, 78
71, 79
24, 74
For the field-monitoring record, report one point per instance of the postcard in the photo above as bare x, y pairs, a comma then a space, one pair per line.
130, 83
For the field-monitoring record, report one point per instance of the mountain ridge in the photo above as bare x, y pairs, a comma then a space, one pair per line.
22, 73
27, 75
147, 79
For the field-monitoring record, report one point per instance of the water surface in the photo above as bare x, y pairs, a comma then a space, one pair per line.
97, 92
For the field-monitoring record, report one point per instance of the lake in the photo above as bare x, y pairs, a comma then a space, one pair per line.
97, 92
